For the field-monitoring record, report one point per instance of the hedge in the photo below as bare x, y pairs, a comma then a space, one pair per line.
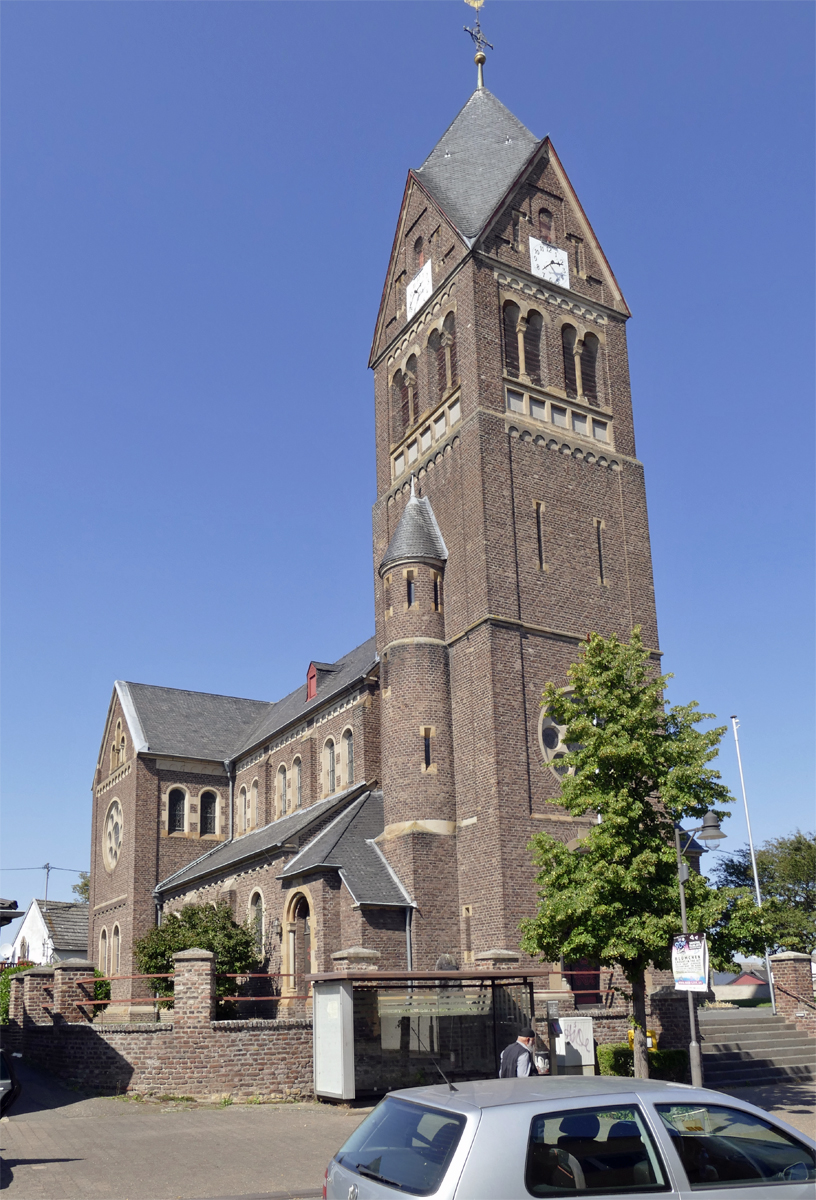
615, 1058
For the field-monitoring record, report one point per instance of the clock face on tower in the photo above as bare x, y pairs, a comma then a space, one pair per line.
549, 262
112, 835
418, 290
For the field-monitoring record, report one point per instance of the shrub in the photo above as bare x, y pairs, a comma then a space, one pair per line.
5, 988
203, 927
615, 1058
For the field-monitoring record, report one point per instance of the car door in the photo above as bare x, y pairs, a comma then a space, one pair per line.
719, 1147
10, 1087
598, 1147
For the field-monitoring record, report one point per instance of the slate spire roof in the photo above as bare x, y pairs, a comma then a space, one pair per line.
476, 160
417, 536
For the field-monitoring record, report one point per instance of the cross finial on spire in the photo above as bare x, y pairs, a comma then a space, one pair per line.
479, 41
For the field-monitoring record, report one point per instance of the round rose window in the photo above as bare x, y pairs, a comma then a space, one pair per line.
112, 837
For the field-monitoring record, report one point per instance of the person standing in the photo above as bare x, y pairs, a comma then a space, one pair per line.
517, 1058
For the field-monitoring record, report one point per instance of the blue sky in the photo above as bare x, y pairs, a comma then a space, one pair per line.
199, 202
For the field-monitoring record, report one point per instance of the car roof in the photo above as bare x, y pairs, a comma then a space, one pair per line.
491, 1093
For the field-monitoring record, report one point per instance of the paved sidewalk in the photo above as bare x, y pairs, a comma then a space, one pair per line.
59, 1144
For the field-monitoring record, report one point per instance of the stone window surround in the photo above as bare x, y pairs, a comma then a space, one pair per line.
326, 771
283, 788
427, 731
250, 912
289, 985
192, 806
346, 736
550, 396
103, 950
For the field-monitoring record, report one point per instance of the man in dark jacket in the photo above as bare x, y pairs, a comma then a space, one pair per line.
517, 1058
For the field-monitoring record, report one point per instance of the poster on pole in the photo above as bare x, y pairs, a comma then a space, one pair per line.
690, 962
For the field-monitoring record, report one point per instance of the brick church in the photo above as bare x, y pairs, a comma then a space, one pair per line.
381, 811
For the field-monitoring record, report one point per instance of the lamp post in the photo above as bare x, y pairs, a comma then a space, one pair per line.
709, 831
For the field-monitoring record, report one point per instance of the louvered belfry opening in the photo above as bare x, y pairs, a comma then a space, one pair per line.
545, 224
437, 370
413, 405
589, 367
532, 346
450, 331
399, 398
568, 346
511, 314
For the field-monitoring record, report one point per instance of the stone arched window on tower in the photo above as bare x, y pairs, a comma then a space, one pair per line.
568, 339
437, 368
545, 225
400, 406
118, 747
116, 941
449, 346
103, 951
176, 811
329, 766
412, 384
208, 803
589, 367
297, 797
511, 315
281, 789
532, 346
348, 757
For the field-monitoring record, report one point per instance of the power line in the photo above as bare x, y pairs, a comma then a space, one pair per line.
42, 868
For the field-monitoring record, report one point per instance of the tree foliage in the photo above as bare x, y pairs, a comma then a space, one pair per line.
616, 899
202, 927
82, 890
786, 867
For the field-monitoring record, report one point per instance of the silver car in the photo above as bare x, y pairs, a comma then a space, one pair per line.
509, 1139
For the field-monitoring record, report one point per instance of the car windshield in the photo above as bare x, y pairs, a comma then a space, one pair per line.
404, 1146
727, 1147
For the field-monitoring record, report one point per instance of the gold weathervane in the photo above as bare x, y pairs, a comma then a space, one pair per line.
479, 41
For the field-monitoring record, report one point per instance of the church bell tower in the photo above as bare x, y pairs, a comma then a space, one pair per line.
510, 517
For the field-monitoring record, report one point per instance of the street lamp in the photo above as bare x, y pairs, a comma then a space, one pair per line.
709, 831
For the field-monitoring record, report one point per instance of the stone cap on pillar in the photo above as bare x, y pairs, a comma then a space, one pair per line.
357, 958
41, 970
193, 955
499, 960
73, 964
790, 956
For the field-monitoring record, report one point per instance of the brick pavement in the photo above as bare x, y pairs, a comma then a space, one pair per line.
59, 1144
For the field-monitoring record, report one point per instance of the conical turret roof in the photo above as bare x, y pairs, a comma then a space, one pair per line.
417, 537
476, 160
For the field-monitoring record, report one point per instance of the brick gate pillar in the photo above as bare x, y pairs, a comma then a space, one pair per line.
194, 987
69, 994
38, 996
793, 989
13, 1033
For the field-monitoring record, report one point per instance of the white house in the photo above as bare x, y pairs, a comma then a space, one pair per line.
50, 931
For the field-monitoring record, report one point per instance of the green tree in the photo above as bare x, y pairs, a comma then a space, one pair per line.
786, 867
616, 899
203, 927
82, 890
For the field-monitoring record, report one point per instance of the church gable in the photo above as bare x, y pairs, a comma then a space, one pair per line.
543, 207
426, 249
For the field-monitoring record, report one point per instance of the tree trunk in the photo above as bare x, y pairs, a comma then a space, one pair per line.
639, 1014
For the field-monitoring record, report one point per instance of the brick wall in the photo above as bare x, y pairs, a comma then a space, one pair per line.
192, 1055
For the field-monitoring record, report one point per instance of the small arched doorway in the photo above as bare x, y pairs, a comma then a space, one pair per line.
300, 943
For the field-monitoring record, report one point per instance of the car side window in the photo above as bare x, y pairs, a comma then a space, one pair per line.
724, 1146
597, 1151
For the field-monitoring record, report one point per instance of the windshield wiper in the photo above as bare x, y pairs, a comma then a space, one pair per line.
379, 1178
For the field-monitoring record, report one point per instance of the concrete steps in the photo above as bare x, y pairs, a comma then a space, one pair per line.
750, 1047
